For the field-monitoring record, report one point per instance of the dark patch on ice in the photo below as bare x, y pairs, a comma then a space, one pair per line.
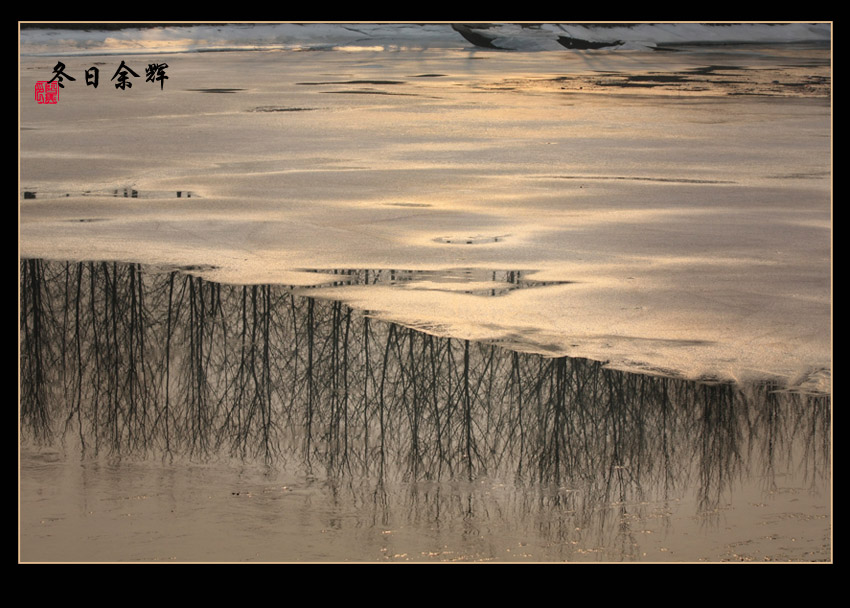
503, 281
645, 80
656, 78
808, 82
216, 90
585, 45
86, 220
629, 84
368, 92
409, 204
475, 36
428, 75
728, 82
794, 81
808, 175
666, 180
330, 82
279, 109
133, 193
469, 240
122, 192
711, 69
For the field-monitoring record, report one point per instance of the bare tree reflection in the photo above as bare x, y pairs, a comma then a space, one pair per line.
130, 361
37, 355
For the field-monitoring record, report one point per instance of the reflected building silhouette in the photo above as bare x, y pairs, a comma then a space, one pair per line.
136, 363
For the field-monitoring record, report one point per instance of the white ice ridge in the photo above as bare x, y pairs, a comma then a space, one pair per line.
390, 36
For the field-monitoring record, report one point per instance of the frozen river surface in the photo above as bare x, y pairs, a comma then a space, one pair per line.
689, 209
663, 213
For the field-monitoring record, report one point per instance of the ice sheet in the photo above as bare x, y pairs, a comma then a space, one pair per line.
691, 216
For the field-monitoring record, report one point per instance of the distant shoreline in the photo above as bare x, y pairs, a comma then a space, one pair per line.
112, 26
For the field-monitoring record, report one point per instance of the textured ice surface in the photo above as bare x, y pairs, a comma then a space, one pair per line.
691, 218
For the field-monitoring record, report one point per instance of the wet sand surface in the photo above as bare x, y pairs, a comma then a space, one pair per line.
668, 216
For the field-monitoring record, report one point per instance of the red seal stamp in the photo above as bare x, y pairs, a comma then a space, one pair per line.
46, 92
